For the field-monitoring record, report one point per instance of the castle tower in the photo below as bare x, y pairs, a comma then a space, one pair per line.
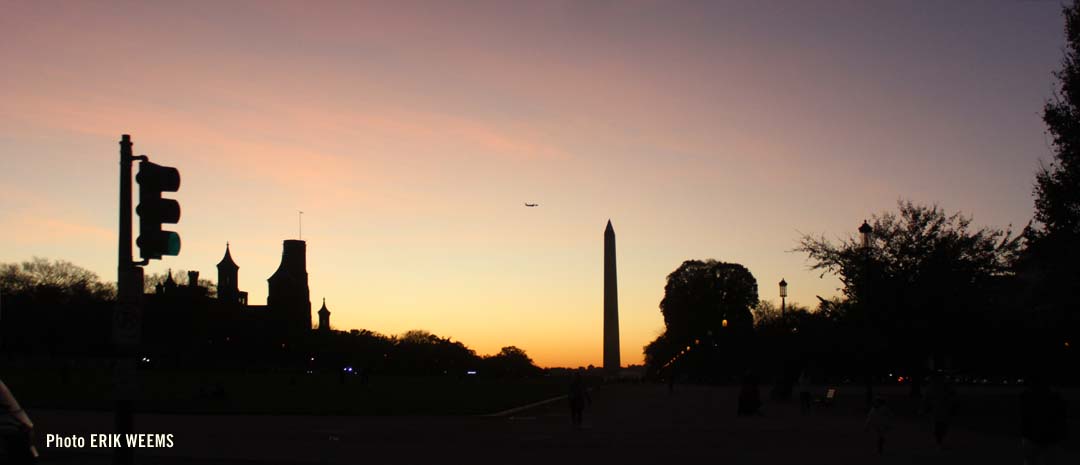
169, 285
289, 298
227, 272
324, 318
611, 304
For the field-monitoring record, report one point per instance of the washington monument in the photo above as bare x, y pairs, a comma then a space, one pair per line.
611, 304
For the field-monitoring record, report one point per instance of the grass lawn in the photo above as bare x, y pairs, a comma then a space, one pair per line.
280, 393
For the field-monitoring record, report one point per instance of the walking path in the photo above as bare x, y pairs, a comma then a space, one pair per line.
626, 424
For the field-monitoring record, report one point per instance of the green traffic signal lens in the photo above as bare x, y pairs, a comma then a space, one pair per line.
172, 243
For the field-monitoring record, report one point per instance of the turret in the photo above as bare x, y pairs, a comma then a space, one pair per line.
289, 298
227, 288
324, 318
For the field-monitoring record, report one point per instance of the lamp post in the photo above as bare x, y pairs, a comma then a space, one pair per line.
783, 297
867, 233
867, 239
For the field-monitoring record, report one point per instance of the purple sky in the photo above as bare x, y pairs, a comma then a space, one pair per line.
411, 134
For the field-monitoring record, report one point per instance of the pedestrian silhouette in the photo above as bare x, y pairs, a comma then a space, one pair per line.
579, 397
940, 403
880, 420
749, 397
804, 392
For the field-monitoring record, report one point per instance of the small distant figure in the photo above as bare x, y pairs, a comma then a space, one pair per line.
940, 403
880, 419
749, 397
530, 205
804, 392
1043, 422
579, 397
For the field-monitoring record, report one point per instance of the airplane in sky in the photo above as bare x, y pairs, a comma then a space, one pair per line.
527, 204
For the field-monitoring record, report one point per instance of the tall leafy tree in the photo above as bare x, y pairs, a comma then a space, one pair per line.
707, 307
925, 284
1057, 187
701, 295
1052, 262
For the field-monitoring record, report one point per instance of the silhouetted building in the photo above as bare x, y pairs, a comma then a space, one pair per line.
324, 318
611, 304
182, 322
289, 300
168, 286
228, 289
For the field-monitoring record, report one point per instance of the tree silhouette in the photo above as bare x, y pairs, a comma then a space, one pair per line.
1057, 187
706, 310
151, 281
1051, 264
56, 281
766, 313
700, 296
421, 352
510, 362
926, 278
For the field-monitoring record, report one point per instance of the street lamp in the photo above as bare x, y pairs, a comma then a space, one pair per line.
866, 232
783, 296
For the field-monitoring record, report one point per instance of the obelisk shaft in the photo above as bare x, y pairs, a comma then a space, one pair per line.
611, 304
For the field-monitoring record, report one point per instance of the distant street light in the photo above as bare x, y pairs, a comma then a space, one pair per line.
783, 296
866, 231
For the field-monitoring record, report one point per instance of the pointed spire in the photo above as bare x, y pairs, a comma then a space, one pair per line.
169, 283
609, 228
324, 309
227, 260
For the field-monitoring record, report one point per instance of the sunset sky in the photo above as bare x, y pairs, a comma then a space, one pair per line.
411, 134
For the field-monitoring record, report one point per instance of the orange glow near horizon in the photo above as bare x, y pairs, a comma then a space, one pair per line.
411, 134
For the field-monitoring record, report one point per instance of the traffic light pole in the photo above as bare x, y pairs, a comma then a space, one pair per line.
127, 319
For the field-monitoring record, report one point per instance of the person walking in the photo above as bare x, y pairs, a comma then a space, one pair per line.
940, 403
880, 419
579, 397
804, 392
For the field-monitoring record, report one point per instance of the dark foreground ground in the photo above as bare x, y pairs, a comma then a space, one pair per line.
624, 424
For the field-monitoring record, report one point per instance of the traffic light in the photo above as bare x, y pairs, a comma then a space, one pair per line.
153, 210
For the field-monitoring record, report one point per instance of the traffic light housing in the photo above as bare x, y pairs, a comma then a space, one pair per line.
153, 210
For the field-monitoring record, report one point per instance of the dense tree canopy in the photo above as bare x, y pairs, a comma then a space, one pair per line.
924, 284
54, 280
706, 310
510, 362
701, 295
1057, 187
1051, 263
